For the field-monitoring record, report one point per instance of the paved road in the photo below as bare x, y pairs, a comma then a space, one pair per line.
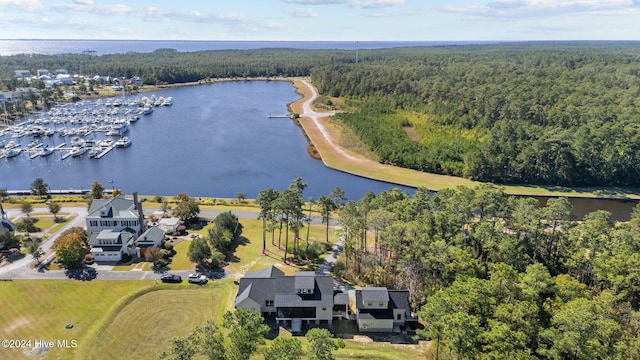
19, 269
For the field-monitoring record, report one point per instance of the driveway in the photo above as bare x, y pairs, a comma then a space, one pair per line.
20, 269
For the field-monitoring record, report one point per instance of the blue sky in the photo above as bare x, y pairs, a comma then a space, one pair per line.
321, 20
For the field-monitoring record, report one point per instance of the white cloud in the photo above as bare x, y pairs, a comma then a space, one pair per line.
547, 8
27, 5
317, 2
375, 4
358, 4
302, 13
83, 2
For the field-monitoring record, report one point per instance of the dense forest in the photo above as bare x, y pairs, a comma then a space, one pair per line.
498, 277
540, 113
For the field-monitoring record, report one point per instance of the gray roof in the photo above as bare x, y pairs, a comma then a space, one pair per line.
153, 234
282, 289
117, 207
293, 300
243, 295
108, 248
341, 299
305, 280
376, 314
375, 294
398, 299
268, 272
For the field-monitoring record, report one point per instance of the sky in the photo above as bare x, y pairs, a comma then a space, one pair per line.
322, 20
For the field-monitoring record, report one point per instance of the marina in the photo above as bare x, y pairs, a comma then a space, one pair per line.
88, 125
214, 140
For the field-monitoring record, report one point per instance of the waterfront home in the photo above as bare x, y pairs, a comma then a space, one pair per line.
169, 225
43, 72
113, 226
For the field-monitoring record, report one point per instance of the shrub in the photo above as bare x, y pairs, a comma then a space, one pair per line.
88, 259
168, 246
27, 225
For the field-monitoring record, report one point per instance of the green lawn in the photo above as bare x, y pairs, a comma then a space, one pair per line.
40, 309
142, 328
180, 260
136, 319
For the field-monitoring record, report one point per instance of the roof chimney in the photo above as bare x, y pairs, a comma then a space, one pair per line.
138, 204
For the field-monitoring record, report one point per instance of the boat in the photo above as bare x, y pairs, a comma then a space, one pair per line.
78, 150
13, 152
3, 143
123, 142
147, 110
46, 151
168, 101
77, 141
118, 128
95, 151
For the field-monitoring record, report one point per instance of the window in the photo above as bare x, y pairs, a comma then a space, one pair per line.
369, 303
268, 303
399, 316
324, 309
380, 303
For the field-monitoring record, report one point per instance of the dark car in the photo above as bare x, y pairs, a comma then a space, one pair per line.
171, 278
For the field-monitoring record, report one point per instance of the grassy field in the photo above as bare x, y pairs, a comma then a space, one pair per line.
142, 328
40, 309
136, 319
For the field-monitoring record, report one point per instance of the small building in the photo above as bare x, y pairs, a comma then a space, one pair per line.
43, 72
169, 225
62, 72
23, 73
154, 236
65, 79
378, 309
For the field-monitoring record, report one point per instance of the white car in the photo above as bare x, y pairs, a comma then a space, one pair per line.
197, 278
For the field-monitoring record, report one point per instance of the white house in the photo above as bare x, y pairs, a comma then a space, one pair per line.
169, 225
110, 245
114, 225
23, 73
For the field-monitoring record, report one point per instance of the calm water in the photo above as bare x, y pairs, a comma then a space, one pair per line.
100, 47
216, 140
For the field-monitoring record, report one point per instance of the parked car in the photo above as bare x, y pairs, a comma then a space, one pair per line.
197, 278
171, 278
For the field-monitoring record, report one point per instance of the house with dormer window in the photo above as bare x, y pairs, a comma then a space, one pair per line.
311, 298
117, 227
303, 297
378, 309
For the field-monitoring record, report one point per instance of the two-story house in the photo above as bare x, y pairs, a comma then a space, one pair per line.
379, 309
303, 297
115, 226
309, 297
